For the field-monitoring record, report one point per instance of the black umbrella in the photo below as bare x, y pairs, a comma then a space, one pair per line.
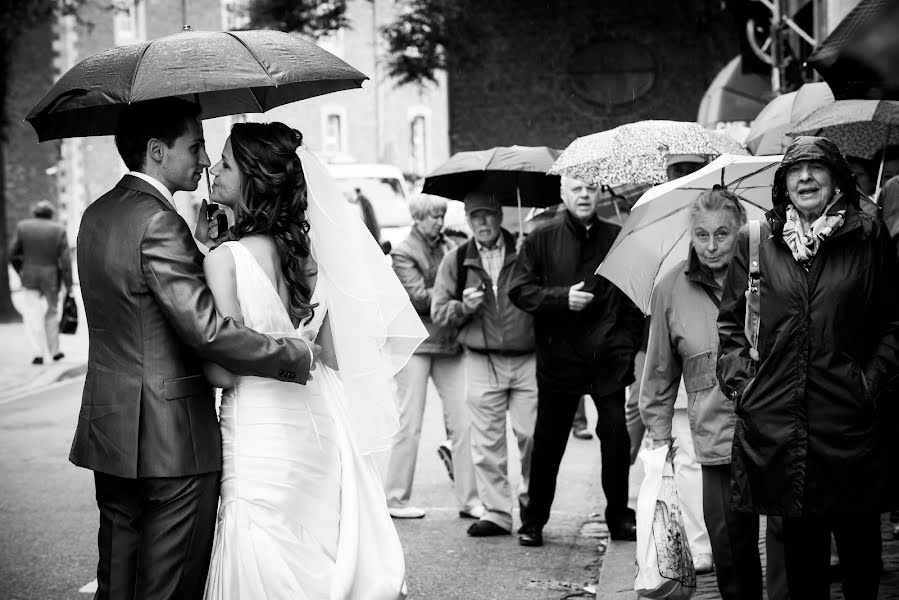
516, 174
860, 58
226, 72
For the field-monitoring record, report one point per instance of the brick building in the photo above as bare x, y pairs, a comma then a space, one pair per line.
552, 71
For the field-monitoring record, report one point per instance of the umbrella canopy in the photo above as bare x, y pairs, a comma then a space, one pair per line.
637, 152
733, 95
767, 132
228, 73
656, 235
858, 127
517, 174
858, 59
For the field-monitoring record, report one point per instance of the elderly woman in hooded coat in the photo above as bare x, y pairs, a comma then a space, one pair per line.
810, 436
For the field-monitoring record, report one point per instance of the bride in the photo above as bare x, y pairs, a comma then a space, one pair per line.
302, 511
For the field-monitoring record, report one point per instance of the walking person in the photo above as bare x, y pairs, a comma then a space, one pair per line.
439, 359
471, 294
587, 333
302, 512
683, 347
148, 426
39, 252
810, 437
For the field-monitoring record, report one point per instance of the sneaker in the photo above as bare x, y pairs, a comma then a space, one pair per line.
446, 455
38, 360
58, 356
703, 564
405, 512
472, 513
530, 536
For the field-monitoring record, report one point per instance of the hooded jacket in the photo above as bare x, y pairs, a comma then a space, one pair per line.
809, 432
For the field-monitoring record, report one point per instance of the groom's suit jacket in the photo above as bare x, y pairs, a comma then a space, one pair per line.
147, 410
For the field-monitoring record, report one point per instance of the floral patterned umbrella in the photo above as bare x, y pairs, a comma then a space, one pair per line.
637, 152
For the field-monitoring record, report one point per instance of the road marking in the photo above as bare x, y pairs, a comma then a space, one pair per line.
90, 588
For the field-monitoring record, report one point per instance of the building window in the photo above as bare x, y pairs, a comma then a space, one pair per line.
335, 43
418, 145
333, 130
612, 72
235, 14
129, 22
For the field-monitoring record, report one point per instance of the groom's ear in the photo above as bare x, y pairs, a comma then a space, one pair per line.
155, 149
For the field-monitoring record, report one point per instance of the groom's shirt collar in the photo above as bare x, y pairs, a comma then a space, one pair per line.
156, 184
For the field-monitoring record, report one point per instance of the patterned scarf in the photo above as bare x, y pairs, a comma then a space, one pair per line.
804, 245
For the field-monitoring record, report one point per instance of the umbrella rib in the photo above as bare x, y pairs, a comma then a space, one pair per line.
137, 68
256, 58
667, 254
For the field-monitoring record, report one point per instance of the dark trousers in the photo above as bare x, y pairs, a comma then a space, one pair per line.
734, 537
155, 536
555, 413
807, 555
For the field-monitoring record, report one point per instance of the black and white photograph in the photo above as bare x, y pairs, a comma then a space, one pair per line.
449, 299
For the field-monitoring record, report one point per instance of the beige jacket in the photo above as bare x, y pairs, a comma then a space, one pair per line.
683, 343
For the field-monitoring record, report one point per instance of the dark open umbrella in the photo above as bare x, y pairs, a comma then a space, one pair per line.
516, 174
227, 73
860, 58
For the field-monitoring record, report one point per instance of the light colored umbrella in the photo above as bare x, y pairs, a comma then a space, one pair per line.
226, 72
637, 152
858, 127
768, 130
656, 235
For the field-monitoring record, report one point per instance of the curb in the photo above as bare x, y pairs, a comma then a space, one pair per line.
42, 382
616, 574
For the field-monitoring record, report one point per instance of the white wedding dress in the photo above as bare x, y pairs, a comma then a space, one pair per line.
302, 513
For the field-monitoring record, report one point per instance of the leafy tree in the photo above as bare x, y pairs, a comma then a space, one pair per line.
427, 35
315, 18
17, 17
432, 35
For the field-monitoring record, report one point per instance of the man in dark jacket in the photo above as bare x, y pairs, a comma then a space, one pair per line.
39, 252
587, 333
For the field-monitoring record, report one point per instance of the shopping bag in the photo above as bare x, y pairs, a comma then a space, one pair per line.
68, 322
664, 563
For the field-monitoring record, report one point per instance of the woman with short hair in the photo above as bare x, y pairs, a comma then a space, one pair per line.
683, 345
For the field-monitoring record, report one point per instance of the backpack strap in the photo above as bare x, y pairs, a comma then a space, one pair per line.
461, 268
753, 291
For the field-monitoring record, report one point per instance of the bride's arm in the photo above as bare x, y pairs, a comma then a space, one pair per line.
221, 279
328, 355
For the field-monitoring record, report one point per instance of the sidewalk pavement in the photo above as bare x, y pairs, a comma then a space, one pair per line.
18, 376
617, 570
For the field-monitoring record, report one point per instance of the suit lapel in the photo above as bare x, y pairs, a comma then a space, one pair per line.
137, 184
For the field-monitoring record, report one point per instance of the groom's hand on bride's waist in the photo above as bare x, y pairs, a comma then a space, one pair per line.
314, 354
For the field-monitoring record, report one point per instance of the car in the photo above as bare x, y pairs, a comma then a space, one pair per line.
385, 187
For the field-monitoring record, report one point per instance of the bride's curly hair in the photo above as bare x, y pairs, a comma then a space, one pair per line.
273, 202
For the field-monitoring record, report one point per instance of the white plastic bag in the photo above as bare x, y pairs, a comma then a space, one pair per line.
664, 563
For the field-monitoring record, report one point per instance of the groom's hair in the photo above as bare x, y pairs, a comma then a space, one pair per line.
164, 119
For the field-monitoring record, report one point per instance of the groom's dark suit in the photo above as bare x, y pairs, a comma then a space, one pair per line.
147, 426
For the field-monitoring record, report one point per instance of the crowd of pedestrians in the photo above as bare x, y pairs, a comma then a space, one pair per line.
786, 422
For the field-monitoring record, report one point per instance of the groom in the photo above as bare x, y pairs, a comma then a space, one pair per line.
148, 426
